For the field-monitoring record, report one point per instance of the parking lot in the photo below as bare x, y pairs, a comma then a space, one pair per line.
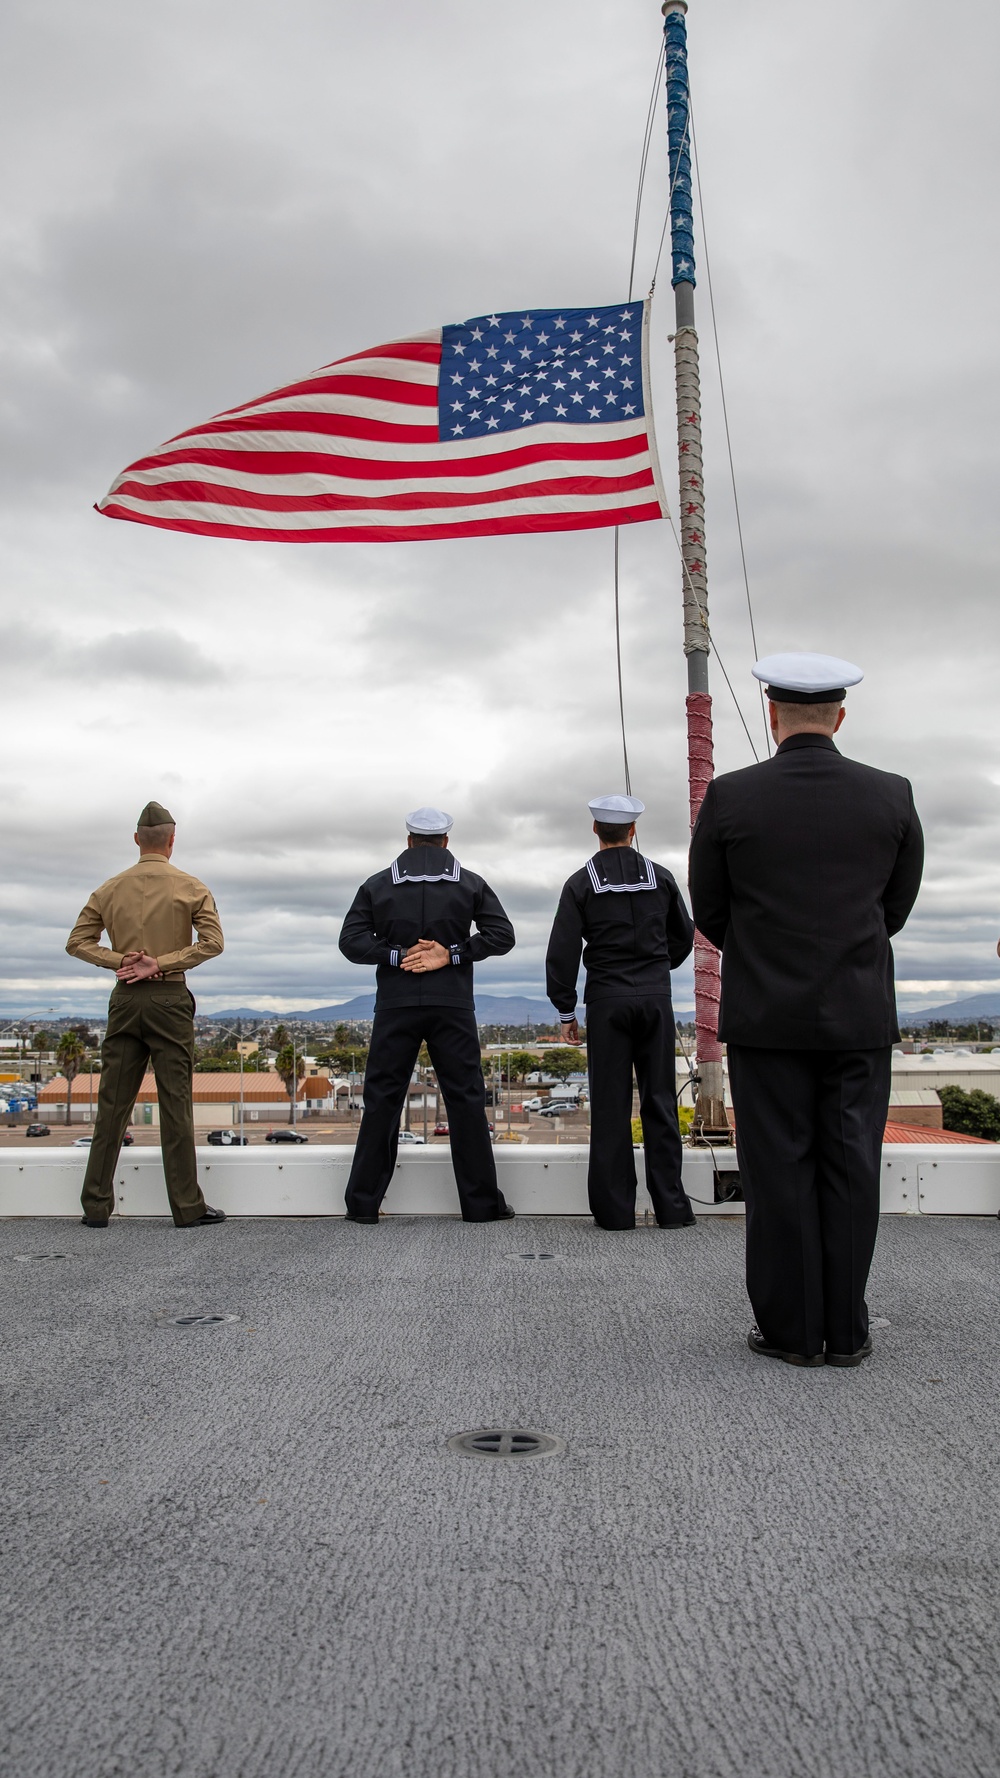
573, 1127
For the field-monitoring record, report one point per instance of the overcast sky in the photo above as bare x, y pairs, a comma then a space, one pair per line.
206, 200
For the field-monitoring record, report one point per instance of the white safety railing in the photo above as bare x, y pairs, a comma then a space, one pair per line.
929, 1179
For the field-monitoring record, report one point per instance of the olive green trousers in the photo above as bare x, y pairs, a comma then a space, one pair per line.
148, 1023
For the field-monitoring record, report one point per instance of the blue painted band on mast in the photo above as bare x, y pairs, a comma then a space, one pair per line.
679, 144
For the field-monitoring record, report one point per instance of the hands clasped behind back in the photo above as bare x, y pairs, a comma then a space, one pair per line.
138, 966
427, 954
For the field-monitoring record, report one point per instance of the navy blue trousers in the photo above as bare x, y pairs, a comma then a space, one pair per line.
623, 1035
809, 1129
452, 1039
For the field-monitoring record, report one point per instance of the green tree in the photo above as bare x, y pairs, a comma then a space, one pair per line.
519, 1063
42, 1040
971, 1114
288, 1065
343, 1059
69, 1056
563, 1063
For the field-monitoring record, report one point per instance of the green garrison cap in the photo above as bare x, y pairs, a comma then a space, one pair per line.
155, 815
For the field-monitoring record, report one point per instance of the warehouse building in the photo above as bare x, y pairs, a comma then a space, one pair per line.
216, 1099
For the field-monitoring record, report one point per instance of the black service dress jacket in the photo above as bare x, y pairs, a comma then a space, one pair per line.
802, 868
627, 915
425, 893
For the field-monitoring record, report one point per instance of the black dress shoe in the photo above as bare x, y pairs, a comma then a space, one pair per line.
94, 1222
688, 1223
350, 1217
505, 1212
758, 1344
848, 1360
207, 1217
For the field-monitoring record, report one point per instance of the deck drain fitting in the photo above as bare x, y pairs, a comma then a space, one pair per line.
24, 1258
195, 1320
534, 1256
504, 1442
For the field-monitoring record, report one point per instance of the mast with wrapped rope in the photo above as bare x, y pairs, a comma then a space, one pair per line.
710, 1118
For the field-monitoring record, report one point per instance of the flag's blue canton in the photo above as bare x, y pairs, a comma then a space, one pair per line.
504, 373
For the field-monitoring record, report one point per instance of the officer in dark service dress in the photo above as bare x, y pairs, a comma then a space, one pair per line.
414, 921
151, 914
628, 917
802, 869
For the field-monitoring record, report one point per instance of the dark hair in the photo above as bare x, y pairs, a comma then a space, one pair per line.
429, 839
613, 833
155, 839
808, 716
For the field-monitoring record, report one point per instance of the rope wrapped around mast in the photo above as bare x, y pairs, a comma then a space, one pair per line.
691, 491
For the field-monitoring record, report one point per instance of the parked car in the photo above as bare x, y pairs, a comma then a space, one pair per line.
411, 1136
284, 1136
442, 1130
231, 1139
38, 1130
85, 1141
558, 1108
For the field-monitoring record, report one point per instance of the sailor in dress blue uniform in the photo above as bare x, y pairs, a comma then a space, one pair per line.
802, 868
414, 922
628, 917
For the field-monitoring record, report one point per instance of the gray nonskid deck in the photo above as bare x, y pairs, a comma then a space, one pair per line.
243, 1551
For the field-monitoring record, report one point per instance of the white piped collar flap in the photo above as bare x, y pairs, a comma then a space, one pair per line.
626, 876
411, 866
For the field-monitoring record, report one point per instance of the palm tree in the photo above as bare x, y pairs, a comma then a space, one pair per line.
69, 1056
286, 1067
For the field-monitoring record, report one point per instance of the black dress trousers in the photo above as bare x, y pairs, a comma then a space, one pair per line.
809, 1131
452, 1039
621, 1035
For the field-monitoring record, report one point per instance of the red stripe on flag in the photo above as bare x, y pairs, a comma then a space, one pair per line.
214, 494
414, 351
404, 352
496, 527
260, 462
328, 425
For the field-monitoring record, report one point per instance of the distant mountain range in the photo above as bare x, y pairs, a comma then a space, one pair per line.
491, 1009
957, 1012
517, 1009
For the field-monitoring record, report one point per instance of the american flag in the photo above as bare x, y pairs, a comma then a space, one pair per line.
414, 439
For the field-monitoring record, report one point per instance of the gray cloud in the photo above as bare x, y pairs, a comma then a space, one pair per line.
159, 656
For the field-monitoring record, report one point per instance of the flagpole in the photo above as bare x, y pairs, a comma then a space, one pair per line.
710, 1106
